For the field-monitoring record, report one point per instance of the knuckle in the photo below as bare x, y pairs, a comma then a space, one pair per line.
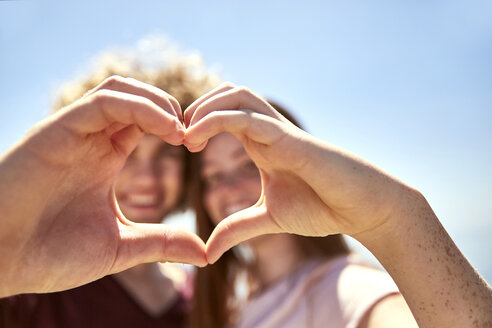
242, 90
165, 243
220, 118
227, 84
227, 226
113, 81
144, 103
100, 97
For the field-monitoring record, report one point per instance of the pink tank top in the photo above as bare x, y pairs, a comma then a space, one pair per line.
333, 293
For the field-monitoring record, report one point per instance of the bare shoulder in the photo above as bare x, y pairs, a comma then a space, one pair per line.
391, 311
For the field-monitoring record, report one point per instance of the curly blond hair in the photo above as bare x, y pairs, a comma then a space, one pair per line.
183, 76
160, 64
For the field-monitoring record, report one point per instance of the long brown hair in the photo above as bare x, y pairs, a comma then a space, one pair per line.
215, 285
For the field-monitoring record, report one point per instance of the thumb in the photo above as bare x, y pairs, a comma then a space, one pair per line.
146, 242
243, 225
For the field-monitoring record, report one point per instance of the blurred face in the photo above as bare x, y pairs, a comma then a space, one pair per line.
232, 180
150, 184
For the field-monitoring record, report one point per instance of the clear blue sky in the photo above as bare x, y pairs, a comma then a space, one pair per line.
405, 84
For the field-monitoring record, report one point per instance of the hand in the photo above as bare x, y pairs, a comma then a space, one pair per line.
309, 187
61, 225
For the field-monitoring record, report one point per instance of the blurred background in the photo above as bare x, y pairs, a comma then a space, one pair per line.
404, 84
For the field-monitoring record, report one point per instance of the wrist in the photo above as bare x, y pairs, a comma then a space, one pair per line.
408, 218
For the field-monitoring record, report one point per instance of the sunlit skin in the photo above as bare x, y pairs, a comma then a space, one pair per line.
61, 225
334, 191
150, 184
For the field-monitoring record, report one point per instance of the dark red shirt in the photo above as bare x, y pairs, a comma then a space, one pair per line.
102, 303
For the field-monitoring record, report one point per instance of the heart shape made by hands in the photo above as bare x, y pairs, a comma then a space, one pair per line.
309, 187
294, 198
68, 163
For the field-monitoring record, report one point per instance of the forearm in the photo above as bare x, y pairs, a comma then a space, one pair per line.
438, 283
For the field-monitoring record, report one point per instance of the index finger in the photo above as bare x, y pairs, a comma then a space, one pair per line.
97, 111
190, 111
230, 99
136, 87
242, 123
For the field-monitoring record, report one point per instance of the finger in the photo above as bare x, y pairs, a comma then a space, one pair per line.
238, 227
115, 127
103, 108
236, 98
127, 139
133, 86
188, 114
145, 243
241, 123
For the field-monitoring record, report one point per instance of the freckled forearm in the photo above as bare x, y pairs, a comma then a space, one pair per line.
438, 283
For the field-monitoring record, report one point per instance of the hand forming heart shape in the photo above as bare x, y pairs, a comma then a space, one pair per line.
309, 187
71, 231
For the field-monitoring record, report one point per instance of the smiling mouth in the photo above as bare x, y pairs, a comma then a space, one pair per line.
142, 200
